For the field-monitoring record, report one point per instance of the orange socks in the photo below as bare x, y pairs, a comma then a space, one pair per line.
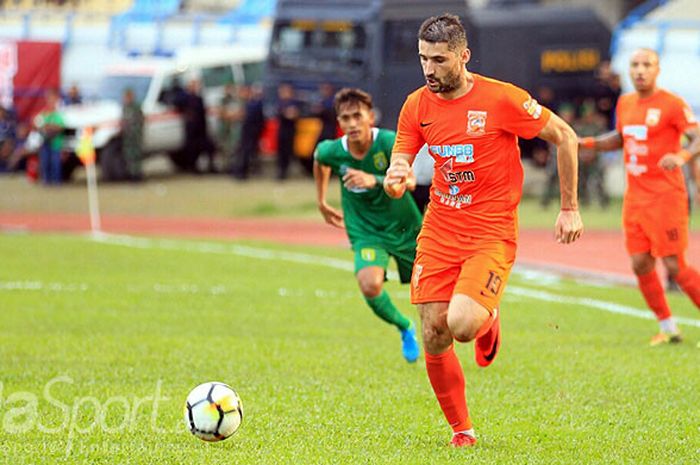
689, 280
653, 293
447, 378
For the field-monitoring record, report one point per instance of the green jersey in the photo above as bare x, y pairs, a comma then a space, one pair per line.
55, 139
371, 216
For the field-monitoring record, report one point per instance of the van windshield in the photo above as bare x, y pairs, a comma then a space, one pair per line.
112, 87
319, 46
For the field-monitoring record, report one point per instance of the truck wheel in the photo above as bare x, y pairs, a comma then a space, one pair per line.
180, 160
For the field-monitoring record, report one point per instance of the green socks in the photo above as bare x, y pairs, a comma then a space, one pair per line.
385, 309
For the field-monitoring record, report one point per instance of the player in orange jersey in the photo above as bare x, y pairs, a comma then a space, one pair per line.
650, 123
466, 247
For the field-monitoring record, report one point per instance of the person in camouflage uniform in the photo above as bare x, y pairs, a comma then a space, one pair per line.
132, 135
230, 113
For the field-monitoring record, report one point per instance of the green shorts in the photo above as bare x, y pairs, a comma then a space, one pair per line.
378, 256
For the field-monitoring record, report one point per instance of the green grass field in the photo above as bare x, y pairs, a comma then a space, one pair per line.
101, 342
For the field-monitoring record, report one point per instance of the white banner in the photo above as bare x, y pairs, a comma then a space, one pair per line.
8, 69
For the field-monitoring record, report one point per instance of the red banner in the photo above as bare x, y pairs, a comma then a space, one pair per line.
27, 71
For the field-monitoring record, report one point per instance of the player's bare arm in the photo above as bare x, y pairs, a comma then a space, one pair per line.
604, 143
671, 161
569, 225
322, 176
398, 175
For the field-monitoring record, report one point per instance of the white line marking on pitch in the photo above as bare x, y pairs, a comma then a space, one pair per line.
295, 257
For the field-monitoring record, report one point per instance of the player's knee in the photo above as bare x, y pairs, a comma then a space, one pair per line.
462, 330
463, 327
370, 288
642, 266
465, 317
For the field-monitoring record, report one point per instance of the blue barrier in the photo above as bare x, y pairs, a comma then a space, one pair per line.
635, 16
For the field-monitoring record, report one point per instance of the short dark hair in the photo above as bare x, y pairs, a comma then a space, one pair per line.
444, 28
351, 95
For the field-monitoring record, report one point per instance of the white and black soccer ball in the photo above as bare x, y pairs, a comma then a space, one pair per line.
213, 411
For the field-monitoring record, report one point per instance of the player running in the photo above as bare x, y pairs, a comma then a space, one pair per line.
649, 125
377, 226
466, 247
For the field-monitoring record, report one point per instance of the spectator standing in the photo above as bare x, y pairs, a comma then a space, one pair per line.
20, 155
325, 111
590, 167
197, 138
50, 125
607, 92
251, 130
132, 135
7, 138
73, 96
288, 113
230, 115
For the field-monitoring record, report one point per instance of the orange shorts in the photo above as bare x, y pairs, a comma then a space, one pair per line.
659, 231
478, 269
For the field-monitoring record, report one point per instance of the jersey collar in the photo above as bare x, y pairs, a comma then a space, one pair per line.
344, 139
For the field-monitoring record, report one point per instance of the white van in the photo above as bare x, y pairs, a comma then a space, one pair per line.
150, 79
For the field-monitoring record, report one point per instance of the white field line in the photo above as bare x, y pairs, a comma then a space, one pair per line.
307, 259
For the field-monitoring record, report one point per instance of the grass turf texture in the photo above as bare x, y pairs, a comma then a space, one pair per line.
321, 378
192, 197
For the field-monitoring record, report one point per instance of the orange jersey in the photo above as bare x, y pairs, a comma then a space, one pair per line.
651, 128
477, 183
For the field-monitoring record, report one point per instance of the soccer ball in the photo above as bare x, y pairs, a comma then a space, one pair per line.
213, 411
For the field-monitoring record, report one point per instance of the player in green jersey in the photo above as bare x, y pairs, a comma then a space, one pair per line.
377, 226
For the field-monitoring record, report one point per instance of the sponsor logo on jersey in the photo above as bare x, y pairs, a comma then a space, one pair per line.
636, 149
635, 136
476, 123
368, 255
533, 108
417, 271
454, 190
380, 161
462, 153
461, 176
653, 117
638, 131
455, 177
634, 169
454, 200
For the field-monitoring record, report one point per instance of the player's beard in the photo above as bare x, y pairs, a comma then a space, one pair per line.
451, 82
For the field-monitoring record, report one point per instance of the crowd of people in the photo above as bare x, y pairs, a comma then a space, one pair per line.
232, 145
588, 115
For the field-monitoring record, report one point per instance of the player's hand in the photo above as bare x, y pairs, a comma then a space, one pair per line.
411, 180
358, 179
568, 227
671, 161
395, 179
331, 215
